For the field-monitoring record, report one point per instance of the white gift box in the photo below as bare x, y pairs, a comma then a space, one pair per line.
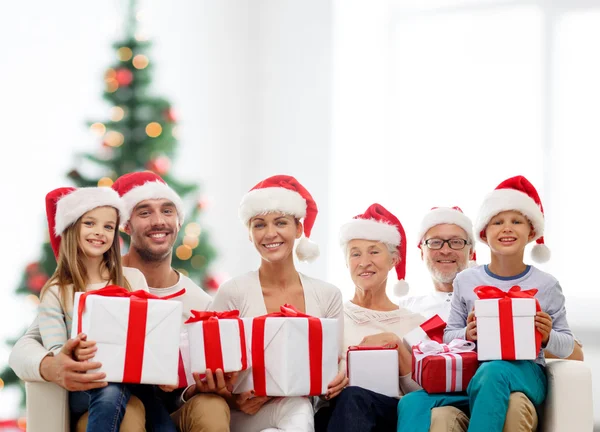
202, 336
286, 351
516, 340
106, 320
185, 368
374, 369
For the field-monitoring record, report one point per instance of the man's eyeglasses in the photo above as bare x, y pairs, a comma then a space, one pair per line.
437, 244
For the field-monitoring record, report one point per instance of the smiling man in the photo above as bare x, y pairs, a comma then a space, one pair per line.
446, 243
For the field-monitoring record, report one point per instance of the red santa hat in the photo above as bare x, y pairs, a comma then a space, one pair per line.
518, 194
283, 193
145, 185
447, 215
64, 206
378, 224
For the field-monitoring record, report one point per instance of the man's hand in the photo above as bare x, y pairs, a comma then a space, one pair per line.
70, 374
471, 332
381, 339
336, 386
543, 323
250, 404
85, 350
212, 383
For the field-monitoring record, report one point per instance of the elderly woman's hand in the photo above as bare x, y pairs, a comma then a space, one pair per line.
381, 339
336, 386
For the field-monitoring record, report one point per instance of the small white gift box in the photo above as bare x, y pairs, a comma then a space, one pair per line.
374, 368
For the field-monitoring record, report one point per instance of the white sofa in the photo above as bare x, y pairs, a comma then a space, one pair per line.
568, 407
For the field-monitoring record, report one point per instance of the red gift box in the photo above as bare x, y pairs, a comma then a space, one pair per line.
444, 368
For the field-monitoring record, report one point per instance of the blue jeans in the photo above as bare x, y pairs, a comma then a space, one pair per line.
360, 410
487, 396
106, 406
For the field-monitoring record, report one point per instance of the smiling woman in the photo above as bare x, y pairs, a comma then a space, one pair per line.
277, 212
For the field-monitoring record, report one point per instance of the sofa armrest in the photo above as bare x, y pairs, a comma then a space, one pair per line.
47, 407
568, 405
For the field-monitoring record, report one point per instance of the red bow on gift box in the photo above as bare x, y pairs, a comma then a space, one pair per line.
315, 342
212, 336
136, 330
505, 313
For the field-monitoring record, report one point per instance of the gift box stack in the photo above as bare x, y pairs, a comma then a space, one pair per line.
374, 368
290, 354
506, 324
136, 333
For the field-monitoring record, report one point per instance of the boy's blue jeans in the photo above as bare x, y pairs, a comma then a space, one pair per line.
106, 407
487, 396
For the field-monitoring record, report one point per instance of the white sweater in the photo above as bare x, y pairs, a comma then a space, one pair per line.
244, 293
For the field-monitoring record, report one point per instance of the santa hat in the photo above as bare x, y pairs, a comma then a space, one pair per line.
145, 185
378, 224
518, 194
64, 206
447, 215
282, 193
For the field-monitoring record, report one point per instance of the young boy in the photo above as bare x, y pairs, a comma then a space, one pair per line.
510, 218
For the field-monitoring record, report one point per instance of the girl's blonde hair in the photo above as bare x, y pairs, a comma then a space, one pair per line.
70, 269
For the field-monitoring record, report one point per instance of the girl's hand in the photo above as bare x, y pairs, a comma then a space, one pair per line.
250, 404
336, 386
86, 350
167, 388
471, 333
212, 383
543, 323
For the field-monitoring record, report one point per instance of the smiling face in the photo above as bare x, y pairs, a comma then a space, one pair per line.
508, 233
153, 228
273, 235
97, 231
445, 263
369, 263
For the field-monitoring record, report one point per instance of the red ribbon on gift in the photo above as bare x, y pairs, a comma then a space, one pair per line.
315, 349
212, 336
136, 329
434, 328
507, 330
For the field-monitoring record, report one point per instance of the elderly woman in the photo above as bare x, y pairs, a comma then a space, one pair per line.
374, 243
272, 211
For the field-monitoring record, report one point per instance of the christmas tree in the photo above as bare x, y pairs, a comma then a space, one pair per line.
140, 134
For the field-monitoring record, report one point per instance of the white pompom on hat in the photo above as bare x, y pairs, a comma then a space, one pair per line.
378, 224
285, 194
64, 206
518, 194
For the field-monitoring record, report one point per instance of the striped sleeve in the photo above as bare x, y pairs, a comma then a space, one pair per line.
52, 322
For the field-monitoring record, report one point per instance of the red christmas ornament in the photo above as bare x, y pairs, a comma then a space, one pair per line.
33, 267
170, 116
124, 77
160, 165
211, 283
36, 282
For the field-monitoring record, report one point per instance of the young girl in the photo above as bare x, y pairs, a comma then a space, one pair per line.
272, 211
510, 217
83, 227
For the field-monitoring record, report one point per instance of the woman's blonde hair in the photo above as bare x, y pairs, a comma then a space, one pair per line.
70, 268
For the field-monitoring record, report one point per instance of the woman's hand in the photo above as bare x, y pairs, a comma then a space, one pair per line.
86, 350
248, 403
471, 332
336, 386
381, 339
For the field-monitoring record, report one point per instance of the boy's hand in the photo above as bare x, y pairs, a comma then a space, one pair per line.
471, 332
543, 323
85, 350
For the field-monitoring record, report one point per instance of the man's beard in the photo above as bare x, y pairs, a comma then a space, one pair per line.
444, 277
148, 255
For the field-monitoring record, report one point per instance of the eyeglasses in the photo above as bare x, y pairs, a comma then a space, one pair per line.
437, 244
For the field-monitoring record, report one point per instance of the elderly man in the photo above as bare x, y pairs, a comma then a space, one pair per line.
154, 215
447, 246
